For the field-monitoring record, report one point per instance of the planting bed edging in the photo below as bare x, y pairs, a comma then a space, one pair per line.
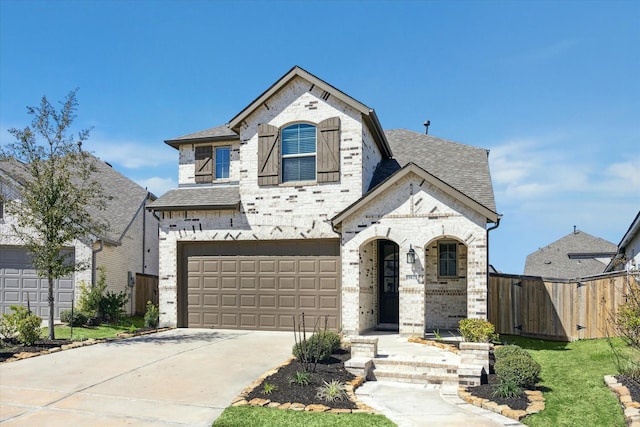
351, 387
631, 408
77, 344
536, 404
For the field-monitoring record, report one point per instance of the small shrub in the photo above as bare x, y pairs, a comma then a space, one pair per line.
268, 388
29, 329
78, 318
508, 350
112, 305
519, 369
333, 391
631, 369
151, 316
319, 347
507, 390
90, 296
301, 378
476, 330
9, 321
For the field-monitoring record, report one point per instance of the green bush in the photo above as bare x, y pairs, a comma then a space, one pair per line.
507, 390
112, 304
519, 369
476, 330
508, 350
9, 321
29, 329
319, 347
90, 296
333, 391
77, 318
151, 316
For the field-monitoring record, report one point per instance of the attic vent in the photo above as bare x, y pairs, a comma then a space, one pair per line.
547, 262
325, 95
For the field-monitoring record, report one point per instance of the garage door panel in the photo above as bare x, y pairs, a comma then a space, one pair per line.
287, 301
262, 292
11, 297
229, 300
12, 283
286, 283
308, 284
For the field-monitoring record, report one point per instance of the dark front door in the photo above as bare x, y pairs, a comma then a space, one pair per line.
388, 281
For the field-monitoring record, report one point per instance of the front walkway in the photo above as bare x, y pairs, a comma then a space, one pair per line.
416, 405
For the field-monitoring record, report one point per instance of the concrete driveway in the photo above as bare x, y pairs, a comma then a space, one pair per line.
172, 378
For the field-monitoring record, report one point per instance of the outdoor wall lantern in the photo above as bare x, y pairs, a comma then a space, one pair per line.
411, 255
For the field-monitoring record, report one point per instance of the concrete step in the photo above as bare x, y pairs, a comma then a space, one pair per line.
378, 374
414, 370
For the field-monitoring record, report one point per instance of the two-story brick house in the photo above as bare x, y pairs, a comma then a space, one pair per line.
303, 203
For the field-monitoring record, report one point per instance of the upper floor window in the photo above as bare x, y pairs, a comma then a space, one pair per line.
299, 153
448, 259
212, 164
222, 162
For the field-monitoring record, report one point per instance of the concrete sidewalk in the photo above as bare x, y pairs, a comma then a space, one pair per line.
413, 405
179, 377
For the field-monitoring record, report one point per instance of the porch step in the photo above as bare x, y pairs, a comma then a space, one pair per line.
414, 370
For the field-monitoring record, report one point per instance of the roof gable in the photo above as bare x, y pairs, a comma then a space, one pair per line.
464, 167
409, 168
368, 114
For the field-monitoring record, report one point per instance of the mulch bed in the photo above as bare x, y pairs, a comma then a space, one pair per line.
632, 385
332, 369
487, 390
12, 347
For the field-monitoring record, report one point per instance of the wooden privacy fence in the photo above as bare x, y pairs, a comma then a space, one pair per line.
146, 290
555, 309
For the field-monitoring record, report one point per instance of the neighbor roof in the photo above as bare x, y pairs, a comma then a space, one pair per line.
124, 198
573, 256
196, 198
463, 167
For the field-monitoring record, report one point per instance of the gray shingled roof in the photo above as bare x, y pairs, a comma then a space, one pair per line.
123, 196
214, 197
216, 133
553, 261
464, 167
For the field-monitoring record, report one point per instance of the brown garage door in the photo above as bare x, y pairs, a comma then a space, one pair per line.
262, 292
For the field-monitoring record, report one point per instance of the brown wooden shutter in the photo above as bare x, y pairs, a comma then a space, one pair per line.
268, 155
204, 164
328, 150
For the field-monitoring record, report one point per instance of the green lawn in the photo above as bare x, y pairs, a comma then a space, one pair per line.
102, 331
572, 380
254, 416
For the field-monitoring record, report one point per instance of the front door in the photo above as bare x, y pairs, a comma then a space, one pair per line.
388, 283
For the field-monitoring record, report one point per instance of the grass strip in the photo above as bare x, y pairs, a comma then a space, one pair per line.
573, 382
255, 416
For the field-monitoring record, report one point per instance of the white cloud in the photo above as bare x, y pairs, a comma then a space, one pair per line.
132, 154
157, 185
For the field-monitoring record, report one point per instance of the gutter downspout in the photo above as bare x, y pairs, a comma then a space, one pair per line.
493, 227
94, 256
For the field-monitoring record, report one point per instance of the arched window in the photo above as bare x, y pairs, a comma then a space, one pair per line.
299, 153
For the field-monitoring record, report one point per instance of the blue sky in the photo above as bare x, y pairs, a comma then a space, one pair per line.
552, 88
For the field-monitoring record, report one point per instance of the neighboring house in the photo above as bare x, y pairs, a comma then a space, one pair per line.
574, 256
628, 254
302, 203
130, 246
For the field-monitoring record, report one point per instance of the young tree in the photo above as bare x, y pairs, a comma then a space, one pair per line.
58, 192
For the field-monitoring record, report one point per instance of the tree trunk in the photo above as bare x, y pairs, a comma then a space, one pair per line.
52, 334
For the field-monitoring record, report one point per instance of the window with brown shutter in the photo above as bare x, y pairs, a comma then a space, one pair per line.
204, 164
268, 155
329, 150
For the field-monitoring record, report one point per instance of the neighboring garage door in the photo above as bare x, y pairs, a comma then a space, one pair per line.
20, 285
263, 292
